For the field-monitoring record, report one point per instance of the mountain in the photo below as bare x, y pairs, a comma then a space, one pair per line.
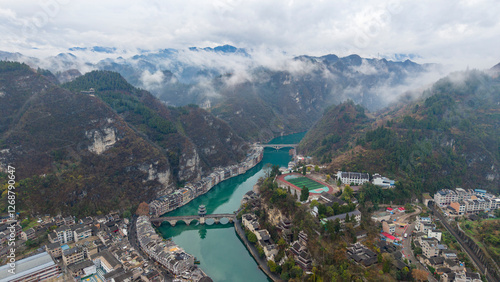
449, 139
334, 131
259, 97
82, 152
271, 103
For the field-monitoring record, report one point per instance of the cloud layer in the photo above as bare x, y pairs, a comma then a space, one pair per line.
459, 33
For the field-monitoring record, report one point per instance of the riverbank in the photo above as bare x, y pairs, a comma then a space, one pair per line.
218, 248
190, 191
253, 251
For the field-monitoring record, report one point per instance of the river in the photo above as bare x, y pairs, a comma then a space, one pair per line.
220, 252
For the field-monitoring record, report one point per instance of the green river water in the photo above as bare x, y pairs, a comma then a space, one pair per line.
221, 253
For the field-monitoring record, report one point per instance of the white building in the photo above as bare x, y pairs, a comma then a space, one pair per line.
65, 234
433, 233
382, 181
357, 178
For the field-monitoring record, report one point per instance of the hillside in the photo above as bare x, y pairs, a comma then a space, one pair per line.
192, 138
449, 139
82, 153
71, 152
334, 131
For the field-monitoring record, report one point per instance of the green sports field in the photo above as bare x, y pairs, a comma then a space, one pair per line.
304, 181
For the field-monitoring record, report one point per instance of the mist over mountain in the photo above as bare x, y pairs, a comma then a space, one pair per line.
266, 93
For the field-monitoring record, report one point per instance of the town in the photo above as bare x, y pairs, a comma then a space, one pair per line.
414, 239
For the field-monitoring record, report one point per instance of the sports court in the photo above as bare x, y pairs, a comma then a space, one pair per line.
297, 181
304, 181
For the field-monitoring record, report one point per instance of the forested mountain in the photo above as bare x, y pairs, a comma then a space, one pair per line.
83, 152
449, 139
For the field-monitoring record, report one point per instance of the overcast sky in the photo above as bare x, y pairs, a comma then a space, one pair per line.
461, 33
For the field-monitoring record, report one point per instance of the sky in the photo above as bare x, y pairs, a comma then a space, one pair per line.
450, 32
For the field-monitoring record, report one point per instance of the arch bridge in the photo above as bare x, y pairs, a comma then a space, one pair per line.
278, 146
189, 218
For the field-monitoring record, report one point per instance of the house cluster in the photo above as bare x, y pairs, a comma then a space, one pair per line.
190, 191
92, 249
264, 240
300, 252
361, 255
166, 252
436, 254
359, 178
466, 201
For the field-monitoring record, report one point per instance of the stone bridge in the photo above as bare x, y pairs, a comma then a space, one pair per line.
189, 218
277, 146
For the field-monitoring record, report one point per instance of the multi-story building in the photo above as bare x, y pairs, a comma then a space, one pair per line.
81, 233
54, 249
357, 178
425, 227
64, 234
445, 197
380, 180
106, 260
388, 227
74, 255
429, 247
459, 207
420, 220
434, 233
29, 234
39, 267
467, 201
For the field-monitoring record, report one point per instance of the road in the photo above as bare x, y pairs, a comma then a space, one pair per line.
407, 251
465, 247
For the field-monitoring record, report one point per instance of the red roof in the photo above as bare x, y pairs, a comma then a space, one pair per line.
385, 234
389, 209
401, 208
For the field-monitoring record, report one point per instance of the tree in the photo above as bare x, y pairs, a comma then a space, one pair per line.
304, 170
282, 244
314, 203
260, 251
272, 266
252, 238
419, 275
316, 168
127, 214
328, 177
296, 272
304, 194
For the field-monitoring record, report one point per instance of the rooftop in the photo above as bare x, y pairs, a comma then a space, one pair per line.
27, 265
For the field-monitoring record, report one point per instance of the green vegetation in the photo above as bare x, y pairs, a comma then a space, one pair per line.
334, 131
304, 194
486, 233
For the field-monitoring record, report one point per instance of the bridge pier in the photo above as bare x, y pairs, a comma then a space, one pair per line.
202, 220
